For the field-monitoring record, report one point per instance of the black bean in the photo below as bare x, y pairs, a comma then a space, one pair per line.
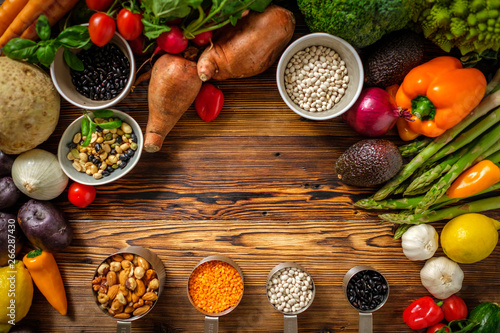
133, 137
119, 139
367, 290
105, 173
130, 153
109, 169
122, 164
112, 152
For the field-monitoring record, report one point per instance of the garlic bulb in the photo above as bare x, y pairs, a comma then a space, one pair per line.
442, 277
37, 174
420, 242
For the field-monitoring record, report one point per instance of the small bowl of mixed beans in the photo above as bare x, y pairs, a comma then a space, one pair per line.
107, 155
106, 79
320, 76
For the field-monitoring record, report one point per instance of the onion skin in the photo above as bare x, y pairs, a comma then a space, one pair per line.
374, 114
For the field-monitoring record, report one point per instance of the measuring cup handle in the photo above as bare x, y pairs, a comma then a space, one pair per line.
124, 327
290, 324
365, 322
211, 324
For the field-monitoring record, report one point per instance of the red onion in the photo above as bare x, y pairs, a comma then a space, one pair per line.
374, 113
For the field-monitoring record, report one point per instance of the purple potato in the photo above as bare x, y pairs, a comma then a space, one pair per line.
10, 238
9, 193
45, 225
6, 162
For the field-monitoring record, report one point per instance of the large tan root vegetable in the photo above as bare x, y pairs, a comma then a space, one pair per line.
173, 87
29, 106
250, 47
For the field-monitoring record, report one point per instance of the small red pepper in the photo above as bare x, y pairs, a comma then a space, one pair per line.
438, 328
422, 313
454, 308
209, 102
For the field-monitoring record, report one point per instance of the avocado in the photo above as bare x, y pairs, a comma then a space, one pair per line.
389, 60
369, 162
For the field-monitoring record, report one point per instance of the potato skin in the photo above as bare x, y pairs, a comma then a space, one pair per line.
5, 251
29, 106
45, 225
9, 193
248, 48
6, 162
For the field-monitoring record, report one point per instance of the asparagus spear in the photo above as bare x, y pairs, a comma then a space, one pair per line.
488, 103
466, 137
402, 228
413, 148
439, 188
446, 213
411, 202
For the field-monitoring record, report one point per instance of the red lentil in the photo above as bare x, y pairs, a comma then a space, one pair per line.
215, 286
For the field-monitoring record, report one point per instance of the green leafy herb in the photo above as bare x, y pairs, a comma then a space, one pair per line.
45, 50
88, 126
73, 61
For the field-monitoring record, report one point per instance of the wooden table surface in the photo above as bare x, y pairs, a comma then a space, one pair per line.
257, 185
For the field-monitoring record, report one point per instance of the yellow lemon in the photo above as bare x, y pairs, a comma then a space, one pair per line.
16, 294
469, 238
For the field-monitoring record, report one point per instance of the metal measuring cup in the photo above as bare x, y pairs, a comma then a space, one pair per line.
290, 318
125, 325
365, 316
212, 319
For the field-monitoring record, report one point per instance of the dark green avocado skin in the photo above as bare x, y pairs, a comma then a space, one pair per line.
369, 162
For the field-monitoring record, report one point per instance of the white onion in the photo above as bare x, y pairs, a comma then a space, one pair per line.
37, 174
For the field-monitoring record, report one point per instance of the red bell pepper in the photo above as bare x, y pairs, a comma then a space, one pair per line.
422, 313
454, 308
209, 102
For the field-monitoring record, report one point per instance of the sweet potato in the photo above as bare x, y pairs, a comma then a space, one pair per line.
173, 87
248, 48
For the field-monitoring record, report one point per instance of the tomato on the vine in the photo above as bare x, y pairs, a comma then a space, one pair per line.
99, 5
454, 308
101, 28
436, 328
129, 24
81, 195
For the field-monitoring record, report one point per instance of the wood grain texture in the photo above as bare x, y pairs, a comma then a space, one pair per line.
257, 185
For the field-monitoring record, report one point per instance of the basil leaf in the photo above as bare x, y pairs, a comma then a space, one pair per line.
170, 9
43, 27
89, 135
85, 126
103, 113
46, 54
72, 60
111, 124
74, 37
20, 49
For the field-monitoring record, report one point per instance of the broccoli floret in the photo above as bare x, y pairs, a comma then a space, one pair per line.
360, 22
469, 25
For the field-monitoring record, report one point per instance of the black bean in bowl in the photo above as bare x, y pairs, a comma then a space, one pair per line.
105, 74
367, 290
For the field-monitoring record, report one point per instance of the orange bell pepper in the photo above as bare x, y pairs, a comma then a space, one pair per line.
439, 94
44, 271
404, 130
474, 180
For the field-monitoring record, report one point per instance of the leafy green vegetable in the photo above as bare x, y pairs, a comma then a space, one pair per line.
88, 126
360, 22
44, 51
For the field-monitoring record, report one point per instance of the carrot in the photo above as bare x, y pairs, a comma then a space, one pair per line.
24, 19
54, 13
173, 87
44, 271
248, 48
8, 12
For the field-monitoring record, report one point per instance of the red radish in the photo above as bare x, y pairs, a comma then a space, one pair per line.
172, 41
374, 113
203, 38
137, 45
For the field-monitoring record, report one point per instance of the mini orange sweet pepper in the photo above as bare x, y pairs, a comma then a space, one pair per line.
439, 94
44, 271
474, 180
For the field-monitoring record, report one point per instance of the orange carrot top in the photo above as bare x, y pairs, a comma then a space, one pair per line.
439, 94
44, 271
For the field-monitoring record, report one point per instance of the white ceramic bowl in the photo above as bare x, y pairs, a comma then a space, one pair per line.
61, 76
83, 178
353, 64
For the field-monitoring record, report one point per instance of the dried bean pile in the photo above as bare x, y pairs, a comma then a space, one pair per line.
290, 290
366, 290
105, 74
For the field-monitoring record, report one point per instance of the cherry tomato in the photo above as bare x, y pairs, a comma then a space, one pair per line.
454, 308
172, 41
81, 195
436, 328
101, 28
99, 5
203, 38
129, 24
